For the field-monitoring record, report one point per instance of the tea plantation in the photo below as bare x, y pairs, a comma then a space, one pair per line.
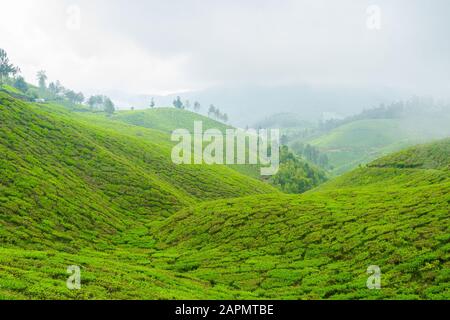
103, 194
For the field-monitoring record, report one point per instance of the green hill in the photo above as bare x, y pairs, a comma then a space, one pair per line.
60, 175
417, 166
168, 119
319, 245
362, 141
83, 189
430, 156
295, 175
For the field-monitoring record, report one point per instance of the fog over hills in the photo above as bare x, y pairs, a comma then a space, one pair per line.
306, 57
247, 105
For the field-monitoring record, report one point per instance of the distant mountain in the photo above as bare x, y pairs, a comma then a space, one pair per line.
247, 105
361, 141
284, 121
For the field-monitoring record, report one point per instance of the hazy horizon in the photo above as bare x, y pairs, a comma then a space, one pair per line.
149, 47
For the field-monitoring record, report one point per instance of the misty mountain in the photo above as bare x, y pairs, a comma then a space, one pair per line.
248, 105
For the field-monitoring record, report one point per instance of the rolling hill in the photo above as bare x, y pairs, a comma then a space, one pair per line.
60, 175
318, 245
83, 189
169, 119
303, 174
362, 141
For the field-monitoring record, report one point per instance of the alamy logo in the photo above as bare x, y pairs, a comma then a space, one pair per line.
235, 146
374, 281
73, 22
74, 280
373, 21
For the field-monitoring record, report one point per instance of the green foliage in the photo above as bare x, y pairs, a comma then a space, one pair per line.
10, 90
168, 119
75, 98
373, 133
178, 104
42, 79
109, 106
430, 156
102, 193
319, 245
215, 113
95, 102
362, 141
60, 173
311, 154
20, 84
296, 175
6, 68
101, 103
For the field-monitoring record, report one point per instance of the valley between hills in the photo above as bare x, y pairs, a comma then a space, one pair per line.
101, 192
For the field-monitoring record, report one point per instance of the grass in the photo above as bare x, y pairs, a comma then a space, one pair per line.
97, 192
41, 275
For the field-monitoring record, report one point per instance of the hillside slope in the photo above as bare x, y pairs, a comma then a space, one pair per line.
362, 141
90, 191
421, 165
168, 119
320, 244
60, 175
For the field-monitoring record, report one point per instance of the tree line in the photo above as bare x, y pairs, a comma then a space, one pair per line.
55, 91
213, 111
311, 154
10, 74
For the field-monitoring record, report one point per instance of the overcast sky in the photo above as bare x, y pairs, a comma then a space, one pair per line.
158, 47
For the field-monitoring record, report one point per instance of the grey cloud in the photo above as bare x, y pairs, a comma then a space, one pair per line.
179, 45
